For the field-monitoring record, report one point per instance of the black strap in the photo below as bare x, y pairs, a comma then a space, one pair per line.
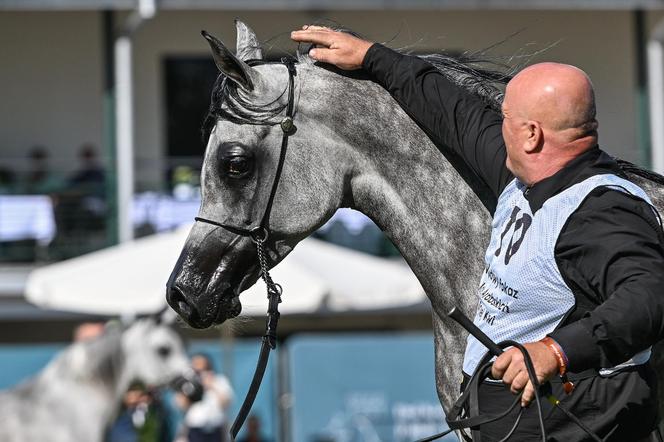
269, 342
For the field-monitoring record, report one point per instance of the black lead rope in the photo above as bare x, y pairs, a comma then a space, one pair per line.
259, 235
268, 342
465, 412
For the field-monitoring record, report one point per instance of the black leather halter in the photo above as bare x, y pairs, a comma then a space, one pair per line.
259, 235
262, 230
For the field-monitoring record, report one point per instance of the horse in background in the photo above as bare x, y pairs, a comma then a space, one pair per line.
76, 396
354, 147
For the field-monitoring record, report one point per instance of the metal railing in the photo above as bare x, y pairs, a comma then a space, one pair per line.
53, 209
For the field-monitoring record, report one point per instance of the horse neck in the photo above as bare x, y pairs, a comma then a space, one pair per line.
405, 184
96, 370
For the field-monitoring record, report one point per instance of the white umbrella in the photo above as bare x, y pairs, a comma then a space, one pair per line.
130, 279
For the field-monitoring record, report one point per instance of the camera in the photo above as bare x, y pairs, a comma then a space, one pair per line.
190, 386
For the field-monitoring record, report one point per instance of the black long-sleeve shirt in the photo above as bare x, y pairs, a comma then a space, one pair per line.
609, 252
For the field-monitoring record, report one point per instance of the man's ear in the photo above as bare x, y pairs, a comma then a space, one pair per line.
534, 136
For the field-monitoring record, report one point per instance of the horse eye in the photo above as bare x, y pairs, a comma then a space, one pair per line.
237, 166
164, 351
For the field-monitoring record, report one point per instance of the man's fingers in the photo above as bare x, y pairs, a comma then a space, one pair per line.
324, 38
519, 382
316, 28
528, 395
500, 365
324, 55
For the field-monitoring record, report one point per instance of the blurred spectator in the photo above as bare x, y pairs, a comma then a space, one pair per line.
90, 179
88, 331
141, 418
253, 431
206, 420
39, 179
7, 180
80, 209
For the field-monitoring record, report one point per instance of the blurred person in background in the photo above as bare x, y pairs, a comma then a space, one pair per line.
142, 417
89, 179
205, 420
88, 331
39, 178
7, 180
80, 207
253, 431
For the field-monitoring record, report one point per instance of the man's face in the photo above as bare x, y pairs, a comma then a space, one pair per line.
508, 135
512, 131
199, 364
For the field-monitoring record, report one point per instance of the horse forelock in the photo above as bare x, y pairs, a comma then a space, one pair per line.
229, 102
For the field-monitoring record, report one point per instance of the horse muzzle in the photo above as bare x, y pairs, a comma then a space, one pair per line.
214, 312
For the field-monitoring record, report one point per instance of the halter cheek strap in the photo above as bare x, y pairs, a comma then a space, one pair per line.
262, 230
259, 235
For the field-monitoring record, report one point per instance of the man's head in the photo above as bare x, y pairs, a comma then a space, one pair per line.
201, 362
548, 119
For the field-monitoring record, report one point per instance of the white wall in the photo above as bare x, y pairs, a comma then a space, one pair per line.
50, 83
51, 68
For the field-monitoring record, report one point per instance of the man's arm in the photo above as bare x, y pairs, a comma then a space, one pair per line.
453, 118
610, 252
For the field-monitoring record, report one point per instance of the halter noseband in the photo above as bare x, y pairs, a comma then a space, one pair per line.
259, 235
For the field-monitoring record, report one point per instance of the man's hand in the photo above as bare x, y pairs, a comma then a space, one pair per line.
511, 368
337, 48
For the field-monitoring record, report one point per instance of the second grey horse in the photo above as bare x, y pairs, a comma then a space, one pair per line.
77, 394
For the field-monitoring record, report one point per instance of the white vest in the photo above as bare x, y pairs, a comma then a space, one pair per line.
522, 295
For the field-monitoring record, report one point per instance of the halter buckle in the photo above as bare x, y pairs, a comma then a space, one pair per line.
287, 126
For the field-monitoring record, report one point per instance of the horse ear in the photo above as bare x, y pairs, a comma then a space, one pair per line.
229, 65
165, 316
248, 47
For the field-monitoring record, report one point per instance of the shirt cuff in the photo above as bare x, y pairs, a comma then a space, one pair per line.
579, 346
379, 57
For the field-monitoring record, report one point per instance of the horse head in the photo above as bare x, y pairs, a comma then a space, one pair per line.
152, 352
259, 174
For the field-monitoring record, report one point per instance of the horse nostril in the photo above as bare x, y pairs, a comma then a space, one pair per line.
184, 308
178, 302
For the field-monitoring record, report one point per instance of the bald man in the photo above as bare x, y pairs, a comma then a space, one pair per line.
576, 250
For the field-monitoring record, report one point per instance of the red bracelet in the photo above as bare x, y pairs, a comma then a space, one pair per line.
563, 362
560, 356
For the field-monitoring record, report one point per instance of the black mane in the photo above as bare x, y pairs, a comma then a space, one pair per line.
475, 72
632, 168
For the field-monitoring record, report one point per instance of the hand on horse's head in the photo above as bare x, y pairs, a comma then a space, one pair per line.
338, 48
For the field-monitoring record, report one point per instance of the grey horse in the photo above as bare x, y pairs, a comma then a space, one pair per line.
77, 394
354, 147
